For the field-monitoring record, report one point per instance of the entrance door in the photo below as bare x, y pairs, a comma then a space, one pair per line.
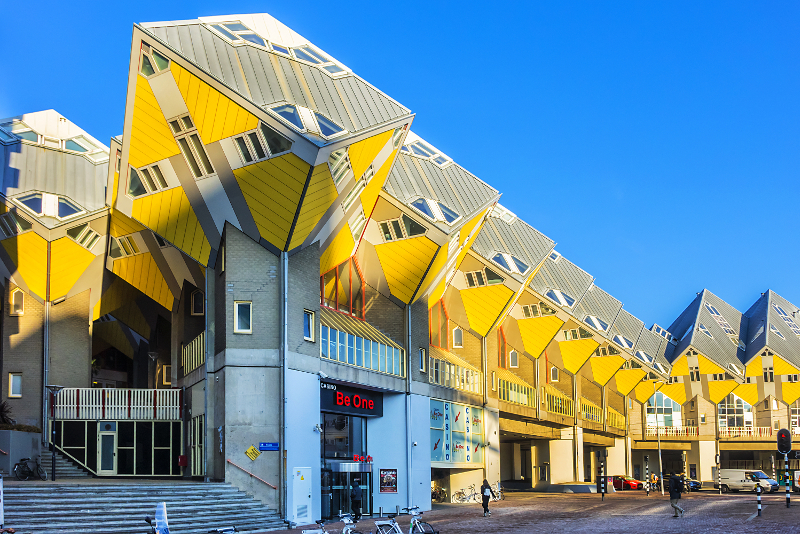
339, 493
107, 453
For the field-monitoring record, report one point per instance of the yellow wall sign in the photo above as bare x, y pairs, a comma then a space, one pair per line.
252, 453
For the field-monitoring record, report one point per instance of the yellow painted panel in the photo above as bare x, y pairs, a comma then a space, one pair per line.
404, 263
466, 245
215, 115
68, 261
111, 332
676, 392
790, 391
708, 367
754, 368
151, 138
538, 332
158, 213
782, 367
604, 367
142, 273
120, 301
363, 153
469, 225
576, 352
436, 268
272, 189
484, 305
719, 389
339, 250
369, 196
628, 378
645, 390
28, 252
748, 392
437, 293
321, 193
120, 224
680, 367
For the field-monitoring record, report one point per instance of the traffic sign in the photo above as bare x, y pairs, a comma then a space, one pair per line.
268, 446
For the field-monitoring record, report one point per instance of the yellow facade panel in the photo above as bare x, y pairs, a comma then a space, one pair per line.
363, 153
120, 224
469, 225
782, 367
538, 332
151, 138
404, 263
111, 332
339, 250
708, 367
719, 389
369, 196
754, 368
575, 352
747, 392
627, 379
436, 268
676, 392
604, 367
790, 392
680, 367
321, 193
142, 273
68, 261
645, 390
484, 305
437, 293
28, 252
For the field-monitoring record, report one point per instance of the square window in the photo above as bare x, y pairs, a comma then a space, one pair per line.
308, 325
702, 418
242, 317
14, 385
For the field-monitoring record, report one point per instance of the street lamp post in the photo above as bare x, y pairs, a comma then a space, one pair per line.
53, 391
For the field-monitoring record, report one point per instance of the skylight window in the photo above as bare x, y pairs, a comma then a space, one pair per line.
436, 211
736, 369
339, 164
67, 208
290, 114
720, 320
483, 277
327, 127
560, 298
499, 212
787, 319
596, 323
424, 150
237, 32
307, 120
759, 332
646, 358
33, 203
49, 205
315, 57
705, 330
775, 331
622, 341
555, 256
510, 263
662, 332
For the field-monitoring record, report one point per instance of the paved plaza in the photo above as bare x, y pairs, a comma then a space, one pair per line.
631, 512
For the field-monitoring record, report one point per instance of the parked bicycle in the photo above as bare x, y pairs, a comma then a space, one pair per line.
347, 519
466, 495
23, 470
415, 527
497, 488
438, 494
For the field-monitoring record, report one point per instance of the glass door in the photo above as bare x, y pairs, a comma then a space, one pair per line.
107, 454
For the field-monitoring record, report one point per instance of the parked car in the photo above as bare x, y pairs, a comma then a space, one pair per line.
692, 484
627, 483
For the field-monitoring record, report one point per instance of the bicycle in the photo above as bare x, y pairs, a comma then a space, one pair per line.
497, 488
415, 527
347, 519
461, 496
23, 471
438, 494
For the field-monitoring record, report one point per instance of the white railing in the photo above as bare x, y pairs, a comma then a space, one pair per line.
614, 418
194, 354
556, 402
119, 404
745, 432
672, 431
449, 375
591, 412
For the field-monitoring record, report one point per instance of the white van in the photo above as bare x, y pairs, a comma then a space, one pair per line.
743, 480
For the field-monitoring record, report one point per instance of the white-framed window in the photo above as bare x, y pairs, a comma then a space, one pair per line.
622, 341
502, 213
397, 136
674, 380
401, 228
307, 120
353, 195
554, 374
643, 356
660, 367
704, 330
17, 302
458, 338
792, 378
260, 144
192, 148
9, 132
422, 361
774, 404
531, 311
198, 302
702, 418
694, 374
483, 277
308, 325
435, 211
452, 245
494, 381
513, 358
166, 375
661, 332
162, 243
151, 62
313, 56
238, 33
146, 180
736, 369
718, 377
357, 223
14, 385
560, 298
691, 422
555, 256
596, 323
775, 331
83, 235
123, 246
242, 317
510, 263
787, 319
49, 205
423, 150
11, 224
339, 165
769, 374
576, 333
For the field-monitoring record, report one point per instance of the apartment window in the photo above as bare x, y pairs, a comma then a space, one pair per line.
351, 349
307, 120
596, 323
14, 385
146, 180
308, 325
718, 377
775, 331
422, 360
577, 333
12, 224
702, 418
735, 412
422, 150
17, 302
483, 277
84, 236
49, 205
458, 338
123, 246
438, 325
792, 378
339, 165
401, 228
661, 332
166, 375
436, 211
356, 223
794, 414
787, 319
554, 374
663, 411
691, 422
185, 132
560, 298
242, 317
494, 381
152, 61
237, 32
342, 289
513, 359
198, 303
769, 375
530, 311
694, 374
704, 330
510, 263
776, 425
260, 144
622, 341
674, 380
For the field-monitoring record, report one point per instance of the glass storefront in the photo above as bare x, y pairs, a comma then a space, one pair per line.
342, 438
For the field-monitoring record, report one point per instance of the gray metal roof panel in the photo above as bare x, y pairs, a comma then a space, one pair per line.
562, 275
649, 343
788, 346
599, 303
627, 326
518, 239
758, 327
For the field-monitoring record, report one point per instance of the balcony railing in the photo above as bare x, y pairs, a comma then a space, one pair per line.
194, 354
591, 412
558, 403
516, 393
672, 431
450, 375
615, 419
119, 404
745, 432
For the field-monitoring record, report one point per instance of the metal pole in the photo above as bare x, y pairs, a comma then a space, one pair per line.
786, 479
774, 475
647, 474
658, 437
758, 497
716, 427
53, 434
602, 479
719, 475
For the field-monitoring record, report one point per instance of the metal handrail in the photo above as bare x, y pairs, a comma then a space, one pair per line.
251, 474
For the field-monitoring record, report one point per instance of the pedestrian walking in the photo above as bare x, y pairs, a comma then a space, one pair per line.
675, 488
486, 492
355, 498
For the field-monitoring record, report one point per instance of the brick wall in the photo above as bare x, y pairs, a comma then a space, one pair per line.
471, 351
304, 295
419, 338
220, 291
384, 315
70, 342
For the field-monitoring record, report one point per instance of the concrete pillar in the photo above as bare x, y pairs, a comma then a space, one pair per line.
517, 455
579, 459
702, 454
617, 457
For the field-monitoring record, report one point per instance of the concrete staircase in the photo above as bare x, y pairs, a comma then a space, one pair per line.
65, 469
110, 508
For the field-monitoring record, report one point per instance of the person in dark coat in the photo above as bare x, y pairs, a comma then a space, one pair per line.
355, 499
675, 488
486, 493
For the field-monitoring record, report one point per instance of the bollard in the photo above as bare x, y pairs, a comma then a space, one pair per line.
786, 479
380, 511
758, 498
647, 474
602, 482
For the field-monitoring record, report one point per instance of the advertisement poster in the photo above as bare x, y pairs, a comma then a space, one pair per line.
388, 480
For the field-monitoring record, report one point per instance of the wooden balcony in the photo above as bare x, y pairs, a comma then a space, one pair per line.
118, 404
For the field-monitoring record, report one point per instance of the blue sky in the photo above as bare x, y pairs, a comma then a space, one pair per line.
656, 142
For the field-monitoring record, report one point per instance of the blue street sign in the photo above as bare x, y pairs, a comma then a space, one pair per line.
268, 446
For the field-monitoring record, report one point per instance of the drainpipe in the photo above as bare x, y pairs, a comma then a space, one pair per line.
284, 259
486, 385
46, 354
206, 442
409, 445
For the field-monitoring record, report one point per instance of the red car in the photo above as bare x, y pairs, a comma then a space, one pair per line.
626, 483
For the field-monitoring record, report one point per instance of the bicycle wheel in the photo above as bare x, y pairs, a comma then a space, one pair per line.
41, 472
423, 528
384, 529
21, 472
458, 496
476, 497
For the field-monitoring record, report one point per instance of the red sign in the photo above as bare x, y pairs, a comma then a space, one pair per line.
358, 458
355, 401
